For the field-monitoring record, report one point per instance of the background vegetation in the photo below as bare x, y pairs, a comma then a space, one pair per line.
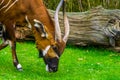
83, 5
76, 63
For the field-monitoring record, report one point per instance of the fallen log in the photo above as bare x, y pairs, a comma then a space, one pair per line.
85, 27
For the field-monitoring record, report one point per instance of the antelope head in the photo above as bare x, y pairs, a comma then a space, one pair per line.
51, 46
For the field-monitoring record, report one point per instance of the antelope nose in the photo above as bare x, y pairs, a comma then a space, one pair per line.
54, 68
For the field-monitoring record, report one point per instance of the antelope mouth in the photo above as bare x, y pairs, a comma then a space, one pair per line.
51, 69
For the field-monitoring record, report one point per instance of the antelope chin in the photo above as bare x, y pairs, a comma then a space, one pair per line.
49, 69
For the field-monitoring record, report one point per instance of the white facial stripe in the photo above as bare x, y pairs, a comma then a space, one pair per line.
47, 68
29, 24
46, 50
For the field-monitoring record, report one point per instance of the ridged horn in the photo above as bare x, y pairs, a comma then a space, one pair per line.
66, 23
57, 25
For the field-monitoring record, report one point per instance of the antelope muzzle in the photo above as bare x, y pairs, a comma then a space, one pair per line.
51, 64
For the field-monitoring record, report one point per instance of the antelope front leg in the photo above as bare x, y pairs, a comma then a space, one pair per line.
14, 56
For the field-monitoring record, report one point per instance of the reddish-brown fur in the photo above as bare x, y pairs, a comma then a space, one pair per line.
33, 9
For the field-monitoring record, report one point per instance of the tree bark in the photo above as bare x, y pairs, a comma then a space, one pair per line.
84, 27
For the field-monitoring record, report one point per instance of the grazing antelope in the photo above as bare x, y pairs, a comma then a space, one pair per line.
47, 33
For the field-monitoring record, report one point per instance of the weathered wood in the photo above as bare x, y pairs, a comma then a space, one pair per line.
85, 27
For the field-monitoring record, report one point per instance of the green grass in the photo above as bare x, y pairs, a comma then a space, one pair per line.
77, 63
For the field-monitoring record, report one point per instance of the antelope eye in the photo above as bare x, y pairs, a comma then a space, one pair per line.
54, 47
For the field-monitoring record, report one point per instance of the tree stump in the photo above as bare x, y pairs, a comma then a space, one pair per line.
85, 27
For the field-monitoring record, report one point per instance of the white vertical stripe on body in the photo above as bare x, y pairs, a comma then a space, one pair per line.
11, 5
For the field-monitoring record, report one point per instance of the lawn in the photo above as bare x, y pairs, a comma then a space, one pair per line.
77, 63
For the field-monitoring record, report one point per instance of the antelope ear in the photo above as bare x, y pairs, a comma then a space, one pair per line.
40, 28
29, 24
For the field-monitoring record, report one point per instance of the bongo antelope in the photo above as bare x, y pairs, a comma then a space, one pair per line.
47, 33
